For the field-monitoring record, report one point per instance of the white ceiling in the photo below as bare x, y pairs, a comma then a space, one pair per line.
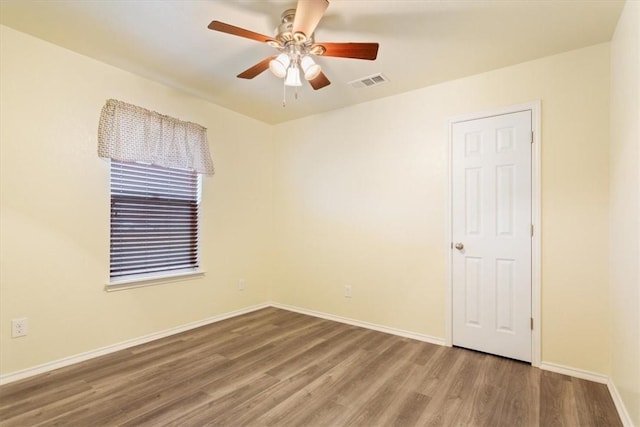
421, 42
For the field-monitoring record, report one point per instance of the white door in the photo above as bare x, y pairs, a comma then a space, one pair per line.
491, 233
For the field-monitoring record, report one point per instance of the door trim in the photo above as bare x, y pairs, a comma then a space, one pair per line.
536, 276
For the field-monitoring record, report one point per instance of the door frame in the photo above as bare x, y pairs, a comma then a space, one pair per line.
536, 181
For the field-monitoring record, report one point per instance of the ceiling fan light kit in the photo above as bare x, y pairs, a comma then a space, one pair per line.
295, 42
294, 58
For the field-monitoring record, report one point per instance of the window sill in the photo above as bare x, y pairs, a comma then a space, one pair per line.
140, 282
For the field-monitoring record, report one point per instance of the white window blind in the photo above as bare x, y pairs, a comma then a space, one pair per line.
154, 220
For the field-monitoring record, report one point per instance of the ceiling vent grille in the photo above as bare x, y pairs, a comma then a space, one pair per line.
369, 81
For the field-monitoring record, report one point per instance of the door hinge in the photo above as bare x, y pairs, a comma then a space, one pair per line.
532, 323
531, 230
532, 137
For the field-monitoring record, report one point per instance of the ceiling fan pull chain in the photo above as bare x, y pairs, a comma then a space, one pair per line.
284, 95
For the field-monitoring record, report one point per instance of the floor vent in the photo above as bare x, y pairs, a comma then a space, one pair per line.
369, 81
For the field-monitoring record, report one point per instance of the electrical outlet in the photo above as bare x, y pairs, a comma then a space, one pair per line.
242, 283
347, 291
19, 327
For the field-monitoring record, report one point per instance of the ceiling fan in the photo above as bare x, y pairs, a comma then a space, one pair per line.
295, 42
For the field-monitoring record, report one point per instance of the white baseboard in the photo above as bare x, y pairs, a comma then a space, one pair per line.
60, 363
574, 372
617, 400
362, 324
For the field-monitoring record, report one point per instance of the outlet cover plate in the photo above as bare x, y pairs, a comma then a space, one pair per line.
347, 291
19, 327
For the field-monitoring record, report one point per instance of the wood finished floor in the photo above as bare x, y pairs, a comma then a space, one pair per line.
275, 367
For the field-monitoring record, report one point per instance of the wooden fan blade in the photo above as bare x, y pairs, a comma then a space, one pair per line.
237, 31
350, 50
320, 81
308, 15
250, 73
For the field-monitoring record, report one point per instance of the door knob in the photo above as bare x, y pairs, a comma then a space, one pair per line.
459, 246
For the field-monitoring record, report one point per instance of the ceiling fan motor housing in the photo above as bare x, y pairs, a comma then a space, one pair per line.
284, 32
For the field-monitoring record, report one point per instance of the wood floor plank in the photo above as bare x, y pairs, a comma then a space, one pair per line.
425, 351
359, 384
312, 398
113, 405
328, 415
595, 402
484, 405
49, 382
43, 414
305, 405
247, 412
274, 367
163, 414
452, 389
44, 397
403, 403
522, 403
345, 338
370, 409
409, 412
258, 362
217, 411
557, 401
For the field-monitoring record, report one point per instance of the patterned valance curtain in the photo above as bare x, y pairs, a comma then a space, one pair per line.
133, 134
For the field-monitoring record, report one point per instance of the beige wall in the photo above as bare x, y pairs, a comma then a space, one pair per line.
360, 200
55, 208
625, 209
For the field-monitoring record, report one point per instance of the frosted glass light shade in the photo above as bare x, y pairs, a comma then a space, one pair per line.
293, 77
279, 65
310, 68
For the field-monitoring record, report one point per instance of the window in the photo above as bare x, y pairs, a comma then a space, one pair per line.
154, 222
157, 162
